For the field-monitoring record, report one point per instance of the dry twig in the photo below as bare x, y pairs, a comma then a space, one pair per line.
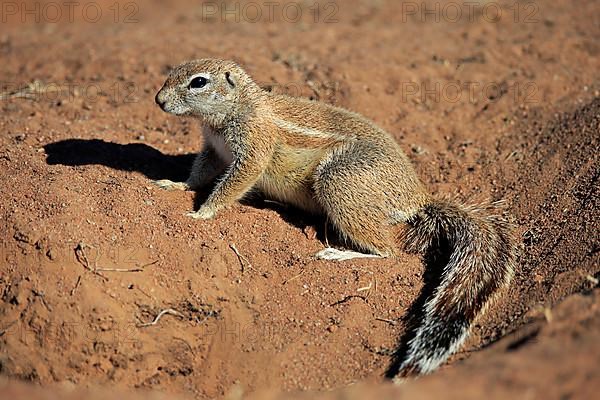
169, 311
389, 321
81, 256
83, 259
136, 269
347, 298
292, 278
362, 289
243, 260
76, 285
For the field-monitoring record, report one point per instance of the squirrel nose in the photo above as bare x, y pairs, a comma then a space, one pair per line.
159, 100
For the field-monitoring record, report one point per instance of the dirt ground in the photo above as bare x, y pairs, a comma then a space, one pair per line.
502, 103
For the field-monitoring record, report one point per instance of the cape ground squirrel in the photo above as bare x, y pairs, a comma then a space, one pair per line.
333, 162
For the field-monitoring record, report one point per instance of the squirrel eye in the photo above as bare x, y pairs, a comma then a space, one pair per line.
198, 82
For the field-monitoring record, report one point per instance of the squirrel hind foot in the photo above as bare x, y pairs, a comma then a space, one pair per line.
332, 254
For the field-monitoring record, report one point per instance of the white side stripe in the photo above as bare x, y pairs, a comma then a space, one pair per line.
306, 131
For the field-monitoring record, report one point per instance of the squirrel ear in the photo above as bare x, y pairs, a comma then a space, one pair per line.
229, 79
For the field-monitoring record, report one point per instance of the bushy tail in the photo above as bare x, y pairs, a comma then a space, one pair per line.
479, 252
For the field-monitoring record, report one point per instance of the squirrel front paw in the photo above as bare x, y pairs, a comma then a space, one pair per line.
203, 213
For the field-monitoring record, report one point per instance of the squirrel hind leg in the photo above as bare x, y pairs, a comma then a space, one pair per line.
347, 200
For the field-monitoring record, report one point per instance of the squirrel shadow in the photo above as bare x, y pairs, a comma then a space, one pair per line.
126, 157
155, 165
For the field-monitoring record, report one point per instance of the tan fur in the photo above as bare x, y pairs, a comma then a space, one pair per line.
329, 161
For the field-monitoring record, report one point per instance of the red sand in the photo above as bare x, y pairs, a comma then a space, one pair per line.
78, 152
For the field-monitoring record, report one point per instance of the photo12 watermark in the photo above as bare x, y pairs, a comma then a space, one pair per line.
468, 91
270, 11
328, 91
54, 12
57, 334
470, 11
60, 334
115, 92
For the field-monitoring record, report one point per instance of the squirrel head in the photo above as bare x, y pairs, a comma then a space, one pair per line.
210, 89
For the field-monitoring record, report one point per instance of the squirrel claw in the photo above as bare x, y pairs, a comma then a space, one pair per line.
170, 185
202, 213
